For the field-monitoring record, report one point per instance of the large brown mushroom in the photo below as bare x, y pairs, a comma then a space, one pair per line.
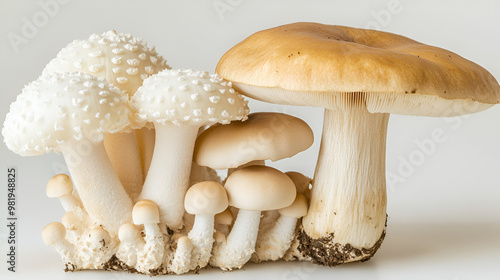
359, 77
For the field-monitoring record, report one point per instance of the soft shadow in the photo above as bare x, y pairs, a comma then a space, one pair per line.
410, 241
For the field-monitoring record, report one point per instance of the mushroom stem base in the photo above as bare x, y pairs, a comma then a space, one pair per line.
347, 211
325, 251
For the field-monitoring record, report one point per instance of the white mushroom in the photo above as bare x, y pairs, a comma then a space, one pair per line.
124, 61
70, 112
145, 213
179, 102
181, 262
274, 243
99, 249
54, 234
251, 189
131, 243
60, 186
223, 221
204, 199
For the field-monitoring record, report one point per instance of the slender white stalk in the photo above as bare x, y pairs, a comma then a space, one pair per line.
240, 244
124, 155
69, 202
348, 196
202, 238
168, 176
275, 242
152, 254
102, 195
146, 143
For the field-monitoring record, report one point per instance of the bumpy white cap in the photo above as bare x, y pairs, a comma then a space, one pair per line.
61, 107
187, 97
120, 58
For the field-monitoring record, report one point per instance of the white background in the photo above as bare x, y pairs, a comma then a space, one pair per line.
444, 211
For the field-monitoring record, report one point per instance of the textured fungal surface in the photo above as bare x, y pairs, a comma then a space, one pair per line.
187, 97
120, 58
62, 107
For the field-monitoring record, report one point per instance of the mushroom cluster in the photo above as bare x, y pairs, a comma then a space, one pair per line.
143, 141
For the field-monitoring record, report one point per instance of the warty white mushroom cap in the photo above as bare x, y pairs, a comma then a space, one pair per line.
61, 107
59, 185
187, 97
120, 58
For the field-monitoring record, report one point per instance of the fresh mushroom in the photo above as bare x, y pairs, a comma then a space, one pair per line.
179, 102
60, 186
131, 243
181, 261
223, 221
262, 136
54, 234
251, 189
274, 243
204, 200
146, 213
359, 77
71, 112
124, 61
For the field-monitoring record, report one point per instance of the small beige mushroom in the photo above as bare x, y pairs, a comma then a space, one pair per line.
60, 186
252, 189
204, 200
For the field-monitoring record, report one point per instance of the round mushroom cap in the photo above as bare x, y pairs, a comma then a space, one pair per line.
98, 237
259, 188
145, 212
59, 185
187, 97
225, 217
207, 197
335, 66
297, 209
262, 136
120, 58
301, 181
128, 232
71, 220
184, 244
64, 107
53, 233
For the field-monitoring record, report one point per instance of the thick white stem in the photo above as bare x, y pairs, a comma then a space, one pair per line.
202, 238
240, 244
275, 242
348, 196
124, 155
151, 256
168, 176
146, 143
102, 195
69, 202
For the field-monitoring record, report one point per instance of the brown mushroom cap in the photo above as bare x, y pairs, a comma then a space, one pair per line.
313, 64
259, 188
262, 136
